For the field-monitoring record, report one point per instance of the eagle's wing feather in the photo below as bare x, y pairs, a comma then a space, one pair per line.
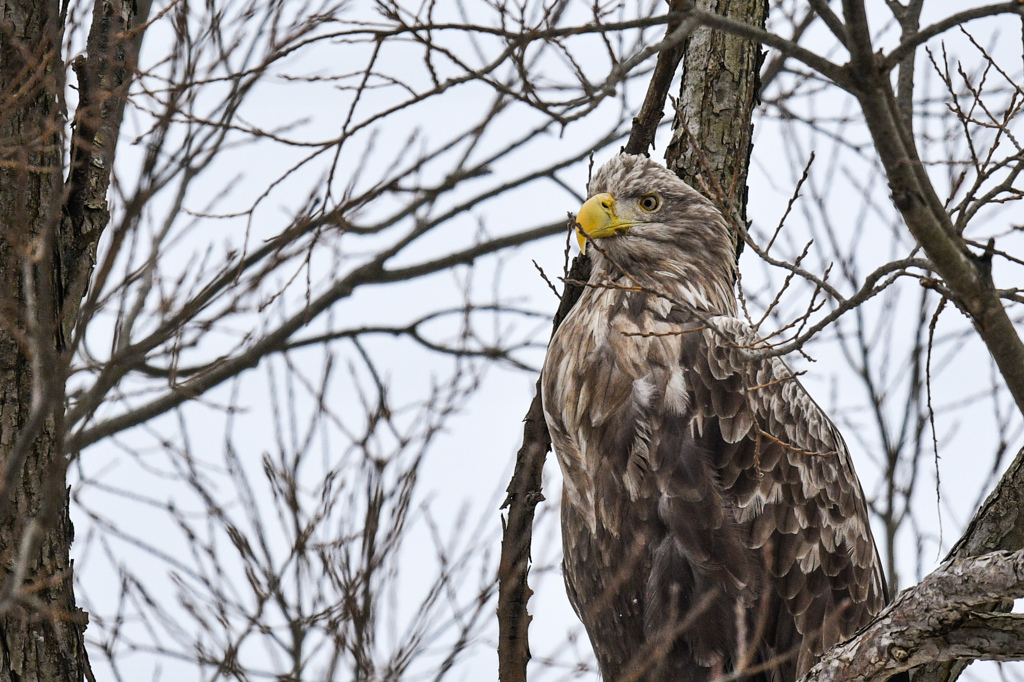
787, 474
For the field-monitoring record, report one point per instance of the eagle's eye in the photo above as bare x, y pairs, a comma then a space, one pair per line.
650, 203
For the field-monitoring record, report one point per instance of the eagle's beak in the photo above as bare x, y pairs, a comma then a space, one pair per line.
597, 219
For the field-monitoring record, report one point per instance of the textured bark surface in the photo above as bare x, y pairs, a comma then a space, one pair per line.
997, 525
48, 237
41, 638
943, 619
710, 147
967, 276
103, 79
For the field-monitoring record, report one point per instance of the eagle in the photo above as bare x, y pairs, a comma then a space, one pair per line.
713, 525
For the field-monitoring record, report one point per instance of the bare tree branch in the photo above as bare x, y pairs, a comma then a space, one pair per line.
935, 622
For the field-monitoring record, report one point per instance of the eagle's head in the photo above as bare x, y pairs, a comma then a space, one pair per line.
646, 222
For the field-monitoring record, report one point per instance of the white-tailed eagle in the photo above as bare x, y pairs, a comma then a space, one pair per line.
712, 521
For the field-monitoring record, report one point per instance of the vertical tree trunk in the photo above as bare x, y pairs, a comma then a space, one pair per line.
49, 230
41, 629
711, 141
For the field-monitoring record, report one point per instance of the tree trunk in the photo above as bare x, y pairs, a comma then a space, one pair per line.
49, 230
711, 140
41, 629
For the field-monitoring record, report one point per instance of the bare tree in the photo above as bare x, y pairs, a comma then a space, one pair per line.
258, 256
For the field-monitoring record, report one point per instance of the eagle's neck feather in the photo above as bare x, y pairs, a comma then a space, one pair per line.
677, 283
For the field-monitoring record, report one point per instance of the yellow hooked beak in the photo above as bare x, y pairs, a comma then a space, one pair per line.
597, 219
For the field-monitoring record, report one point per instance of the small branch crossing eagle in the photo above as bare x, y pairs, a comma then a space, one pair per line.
712, 522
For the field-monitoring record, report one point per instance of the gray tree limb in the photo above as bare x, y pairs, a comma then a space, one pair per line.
942, 619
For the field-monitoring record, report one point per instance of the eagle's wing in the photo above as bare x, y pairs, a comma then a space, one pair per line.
784, 469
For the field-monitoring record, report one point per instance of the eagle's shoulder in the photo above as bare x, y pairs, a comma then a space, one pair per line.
727, 360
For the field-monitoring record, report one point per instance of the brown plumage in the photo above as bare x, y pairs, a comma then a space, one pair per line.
712, 521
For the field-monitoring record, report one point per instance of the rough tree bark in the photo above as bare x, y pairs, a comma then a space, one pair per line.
956, 614
944, 619
710, 147
711, 151
43, 641
997, 526
48, 236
